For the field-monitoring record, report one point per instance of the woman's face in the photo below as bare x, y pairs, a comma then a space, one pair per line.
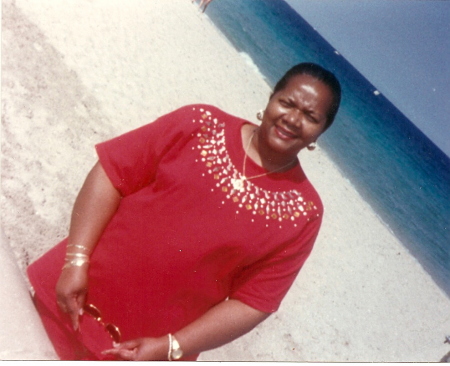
295, 116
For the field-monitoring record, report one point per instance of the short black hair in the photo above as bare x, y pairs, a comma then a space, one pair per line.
321, 74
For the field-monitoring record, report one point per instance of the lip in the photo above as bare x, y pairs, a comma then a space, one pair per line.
285, 134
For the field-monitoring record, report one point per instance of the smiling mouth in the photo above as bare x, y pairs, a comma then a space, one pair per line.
285, 134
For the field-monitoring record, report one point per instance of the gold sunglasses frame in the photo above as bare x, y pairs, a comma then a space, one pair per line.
113, 330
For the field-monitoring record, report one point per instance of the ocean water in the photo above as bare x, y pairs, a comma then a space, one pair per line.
393, 165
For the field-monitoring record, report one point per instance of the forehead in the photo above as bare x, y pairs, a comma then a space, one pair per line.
310, 88
308, 84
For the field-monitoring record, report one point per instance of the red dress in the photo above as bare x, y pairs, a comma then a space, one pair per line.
187, 234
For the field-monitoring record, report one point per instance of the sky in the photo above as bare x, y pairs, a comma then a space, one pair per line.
401, 46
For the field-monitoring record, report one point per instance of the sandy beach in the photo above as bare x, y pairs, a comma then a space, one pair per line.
75, 73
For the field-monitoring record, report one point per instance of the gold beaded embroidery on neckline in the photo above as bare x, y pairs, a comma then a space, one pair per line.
286, 206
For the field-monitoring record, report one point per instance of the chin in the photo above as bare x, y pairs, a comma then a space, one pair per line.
282, 148
285, 146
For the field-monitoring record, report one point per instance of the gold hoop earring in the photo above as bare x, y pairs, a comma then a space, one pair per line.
260, 115
312, 146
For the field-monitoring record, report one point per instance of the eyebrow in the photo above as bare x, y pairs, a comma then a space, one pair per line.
312, 112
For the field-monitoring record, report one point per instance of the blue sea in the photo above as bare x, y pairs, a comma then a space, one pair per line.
393, 165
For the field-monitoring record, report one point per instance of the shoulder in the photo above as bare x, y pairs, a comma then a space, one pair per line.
313, 204
207, 111
197, 109
205, 117
193, 120
308, 199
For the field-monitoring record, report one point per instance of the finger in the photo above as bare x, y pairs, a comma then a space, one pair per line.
123, 353
127, 354
61, 301
131, 344
62, 306
81, 300
73, 310
111, 351
126, 350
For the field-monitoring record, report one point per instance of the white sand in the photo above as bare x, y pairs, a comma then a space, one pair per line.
77, 72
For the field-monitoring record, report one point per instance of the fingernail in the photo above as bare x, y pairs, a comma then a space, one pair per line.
115, 345
81, 311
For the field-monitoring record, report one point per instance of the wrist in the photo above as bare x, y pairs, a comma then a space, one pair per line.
174, 350
76, 261
76, 256
162, 345
79, 248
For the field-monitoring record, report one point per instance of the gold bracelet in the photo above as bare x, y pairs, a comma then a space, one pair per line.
79, 255
78, 246
77, 262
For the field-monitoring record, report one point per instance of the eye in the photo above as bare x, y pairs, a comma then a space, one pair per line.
311, 118
285, 103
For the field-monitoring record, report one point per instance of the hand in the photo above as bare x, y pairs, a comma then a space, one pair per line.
141, 349
71, 291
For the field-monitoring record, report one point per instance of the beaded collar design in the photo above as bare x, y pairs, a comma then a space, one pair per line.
273, 206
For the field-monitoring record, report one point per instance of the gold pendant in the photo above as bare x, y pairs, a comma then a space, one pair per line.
238, 184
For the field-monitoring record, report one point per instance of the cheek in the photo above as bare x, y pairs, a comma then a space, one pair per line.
314, 131
272, 111
268, 120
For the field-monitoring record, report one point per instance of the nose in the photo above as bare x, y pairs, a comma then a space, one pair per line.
294, 118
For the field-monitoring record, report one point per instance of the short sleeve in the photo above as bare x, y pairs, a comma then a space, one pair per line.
131, 160
264, 284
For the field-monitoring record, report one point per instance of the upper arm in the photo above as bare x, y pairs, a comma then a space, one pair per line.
131, 160
264, 283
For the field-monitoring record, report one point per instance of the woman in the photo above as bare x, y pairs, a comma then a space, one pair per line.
189, 231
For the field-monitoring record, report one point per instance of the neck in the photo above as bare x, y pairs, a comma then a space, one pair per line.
266, 158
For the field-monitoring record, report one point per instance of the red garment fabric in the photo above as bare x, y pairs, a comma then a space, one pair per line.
186, 236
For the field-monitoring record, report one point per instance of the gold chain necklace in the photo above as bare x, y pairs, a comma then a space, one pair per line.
238, 183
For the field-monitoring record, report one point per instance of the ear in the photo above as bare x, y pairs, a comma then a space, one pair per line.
312, 146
